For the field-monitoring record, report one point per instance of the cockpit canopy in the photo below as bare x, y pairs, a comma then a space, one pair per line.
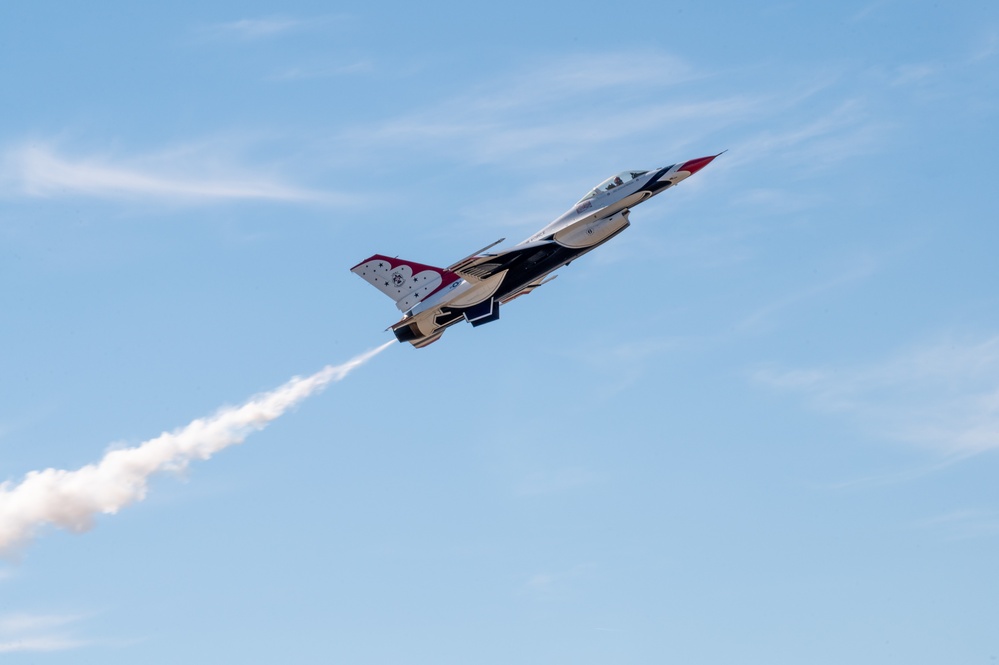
613, 182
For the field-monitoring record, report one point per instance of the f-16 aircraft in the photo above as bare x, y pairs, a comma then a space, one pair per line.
473, 289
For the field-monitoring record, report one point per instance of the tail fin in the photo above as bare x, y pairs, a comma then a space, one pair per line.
405, 282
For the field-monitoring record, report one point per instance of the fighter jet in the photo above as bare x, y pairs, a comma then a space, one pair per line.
473, 288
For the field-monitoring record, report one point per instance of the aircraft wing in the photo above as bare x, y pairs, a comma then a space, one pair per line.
482, 266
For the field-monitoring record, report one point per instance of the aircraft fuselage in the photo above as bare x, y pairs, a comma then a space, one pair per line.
473, 289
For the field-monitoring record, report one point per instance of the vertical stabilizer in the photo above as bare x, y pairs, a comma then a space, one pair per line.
405, 282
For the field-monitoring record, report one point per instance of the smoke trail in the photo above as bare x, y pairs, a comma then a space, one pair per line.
71, 499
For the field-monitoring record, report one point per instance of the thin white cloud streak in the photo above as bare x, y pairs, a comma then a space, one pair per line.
988, 48
72, 499
487, 138
22, 632
26, 623
963, 524
567, 107
252, 28
833, 137
565, 78
892, 477
550, 586
944, 397
579, 108
258, 29
762, 317
868, 10
40, 171
907, 74
41, 644
328, 71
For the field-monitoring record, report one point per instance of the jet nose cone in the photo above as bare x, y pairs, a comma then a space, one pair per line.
695, 165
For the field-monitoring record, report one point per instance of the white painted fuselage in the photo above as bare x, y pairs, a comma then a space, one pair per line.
474, 288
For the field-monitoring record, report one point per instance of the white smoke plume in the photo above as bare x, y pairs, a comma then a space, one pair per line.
72, 499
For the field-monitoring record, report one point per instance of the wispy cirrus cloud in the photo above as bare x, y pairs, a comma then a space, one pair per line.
869, 9
915, 73
584, 107
944, 396
762, 317
558, 585
261, 28
562, 78
247, 29
23, 632
488, 138
814, 141
43, 171
963, 524
988, 47
255, 28
567, 106
41, 644
22, 623
302, 73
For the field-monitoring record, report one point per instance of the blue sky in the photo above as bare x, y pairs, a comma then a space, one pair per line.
759, 426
